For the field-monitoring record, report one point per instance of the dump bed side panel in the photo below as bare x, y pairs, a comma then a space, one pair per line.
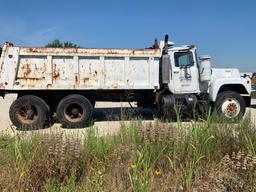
51, 68
8, 67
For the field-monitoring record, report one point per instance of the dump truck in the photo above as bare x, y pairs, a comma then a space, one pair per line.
66, 82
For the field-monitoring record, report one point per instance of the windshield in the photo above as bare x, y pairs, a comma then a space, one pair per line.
183, 59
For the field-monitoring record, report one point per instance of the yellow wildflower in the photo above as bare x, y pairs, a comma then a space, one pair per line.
158, 172
147, 169
133, 165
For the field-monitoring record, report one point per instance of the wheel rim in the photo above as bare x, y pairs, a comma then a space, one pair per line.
74, 112
27, 114
231, 108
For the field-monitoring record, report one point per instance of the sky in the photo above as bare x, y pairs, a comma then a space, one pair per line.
224, 29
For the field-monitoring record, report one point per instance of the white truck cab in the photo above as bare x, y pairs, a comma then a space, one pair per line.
227, 90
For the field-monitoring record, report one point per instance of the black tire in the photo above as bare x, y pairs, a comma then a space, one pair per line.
74, 111
203, 109
166, 107
29, 112
234, 101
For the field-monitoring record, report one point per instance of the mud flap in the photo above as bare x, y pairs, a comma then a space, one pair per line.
247, 100
2, 94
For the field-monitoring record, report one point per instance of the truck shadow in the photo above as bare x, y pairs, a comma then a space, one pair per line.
253, 106
118, 114
111, 114
128, 114
114, 114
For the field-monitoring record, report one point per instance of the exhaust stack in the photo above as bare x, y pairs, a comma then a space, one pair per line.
166, 62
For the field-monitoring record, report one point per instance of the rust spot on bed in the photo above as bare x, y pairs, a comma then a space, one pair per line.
26, 71
55, 71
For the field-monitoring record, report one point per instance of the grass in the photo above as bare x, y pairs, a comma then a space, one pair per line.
205, 156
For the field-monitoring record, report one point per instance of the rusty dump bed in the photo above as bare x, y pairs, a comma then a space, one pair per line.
78, 68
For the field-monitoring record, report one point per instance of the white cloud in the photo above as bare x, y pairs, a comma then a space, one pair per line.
40, 37
19, 32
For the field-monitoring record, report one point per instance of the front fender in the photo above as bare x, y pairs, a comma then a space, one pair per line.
216, 84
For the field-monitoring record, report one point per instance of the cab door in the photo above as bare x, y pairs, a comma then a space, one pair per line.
185, 77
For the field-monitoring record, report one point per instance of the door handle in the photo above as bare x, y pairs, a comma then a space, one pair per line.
176, 72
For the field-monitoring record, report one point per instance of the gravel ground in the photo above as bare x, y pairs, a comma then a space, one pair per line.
106, 116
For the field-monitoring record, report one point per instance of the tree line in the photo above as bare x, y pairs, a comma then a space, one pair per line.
254, 77
57, 43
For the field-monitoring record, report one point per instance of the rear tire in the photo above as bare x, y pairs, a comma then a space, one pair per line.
231, 105
29, 112
74, 111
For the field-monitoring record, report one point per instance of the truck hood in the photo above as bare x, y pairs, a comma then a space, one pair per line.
225, 72
227, 76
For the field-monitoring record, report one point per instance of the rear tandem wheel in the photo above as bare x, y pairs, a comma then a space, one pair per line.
74, 111
29, 112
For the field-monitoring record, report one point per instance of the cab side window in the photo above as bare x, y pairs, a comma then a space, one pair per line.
183, 59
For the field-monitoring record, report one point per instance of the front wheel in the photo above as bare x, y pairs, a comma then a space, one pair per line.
230, 104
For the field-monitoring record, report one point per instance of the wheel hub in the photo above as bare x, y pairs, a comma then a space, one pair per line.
231, 108
74, 112
27, 114
30, 113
